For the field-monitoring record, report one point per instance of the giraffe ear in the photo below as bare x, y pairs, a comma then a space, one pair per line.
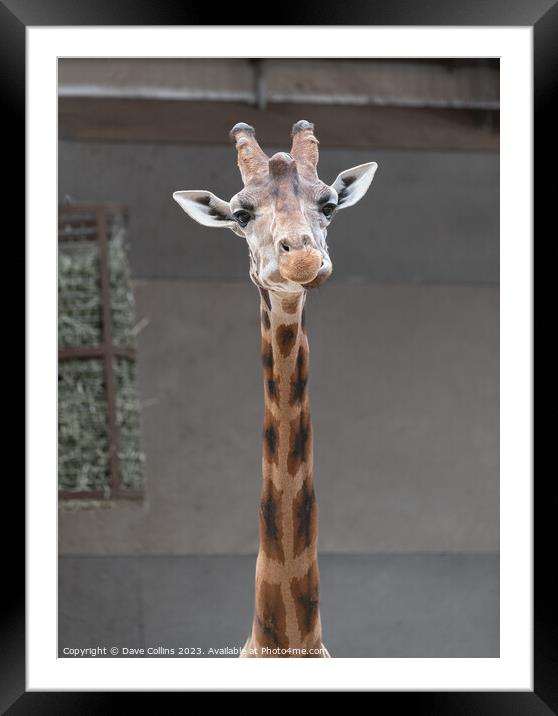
352, 184
206, 208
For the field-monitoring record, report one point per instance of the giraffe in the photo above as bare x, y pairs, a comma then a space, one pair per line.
284, 211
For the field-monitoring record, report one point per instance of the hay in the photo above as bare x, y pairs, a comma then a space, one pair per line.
79, 294
83, 461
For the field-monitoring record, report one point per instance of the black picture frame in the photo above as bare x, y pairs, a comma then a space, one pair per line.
542, 16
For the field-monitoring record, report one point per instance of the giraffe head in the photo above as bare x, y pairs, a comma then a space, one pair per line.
283, 211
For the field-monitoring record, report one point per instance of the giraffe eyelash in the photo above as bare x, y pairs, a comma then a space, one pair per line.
242, 217
328, 209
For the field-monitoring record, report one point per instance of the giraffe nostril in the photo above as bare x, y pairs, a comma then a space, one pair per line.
285, 246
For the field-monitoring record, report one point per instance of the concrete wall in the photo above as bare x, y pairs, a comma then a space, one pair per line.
429, 217
404, 350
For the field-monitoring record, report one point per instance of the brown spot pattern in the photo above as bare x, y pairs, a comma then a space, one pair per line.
271, 531
271, 438
290, 305
270, 624
305, 517
267, 355
299, 379
306, 596
271, 380
300, 443
286, 337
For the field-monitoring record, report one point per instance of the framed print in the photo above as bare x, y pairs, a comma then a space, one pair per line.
156, 556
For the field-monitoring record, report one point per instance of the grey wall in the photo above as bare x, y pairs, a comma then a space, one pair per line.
404, 349
404, 393
430, 217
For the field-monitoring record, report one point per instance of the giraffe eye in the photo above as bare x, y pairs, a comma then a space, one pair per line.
328, 210
242, 217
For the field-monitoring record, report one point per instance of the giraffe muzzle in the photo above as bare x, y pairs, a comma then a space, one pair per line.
300, 266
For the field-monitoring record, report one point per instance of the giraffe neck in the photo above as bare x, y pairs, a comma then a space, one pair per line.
287, 577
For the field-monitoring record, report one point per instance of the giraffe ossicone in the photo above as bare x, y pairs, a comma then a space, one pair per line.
284, 211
